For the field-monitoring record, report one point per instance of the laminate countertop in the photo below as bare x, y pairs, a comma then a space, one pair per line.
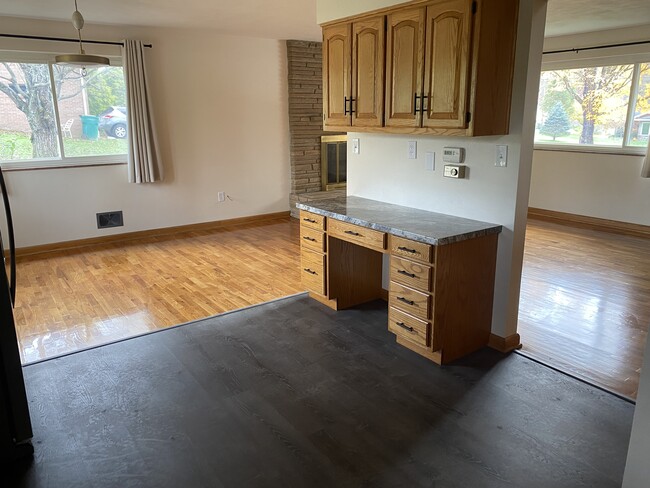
411, 223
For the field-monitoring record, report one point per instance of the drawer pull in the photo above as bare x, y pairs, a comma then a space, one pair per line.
406, 273
311, 221
408, 302
352, 233
404, 326
310, 271
309, 239
406, 249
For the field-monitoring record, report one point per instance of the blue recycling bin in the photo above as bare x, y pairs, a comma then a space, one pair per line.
90, 127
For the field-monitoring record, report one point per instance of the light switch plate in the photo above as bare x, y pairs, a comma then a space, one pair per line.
430, 161
355, 146
413, 150
501, 156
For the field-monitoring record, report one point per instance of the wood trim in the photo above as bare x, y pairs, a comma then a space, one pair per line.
586, 222
505, 344
403, 130
141, 234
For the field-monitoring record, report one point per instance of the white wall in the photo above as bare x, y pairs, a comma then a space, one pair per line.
605, 186
381, 171
222, 114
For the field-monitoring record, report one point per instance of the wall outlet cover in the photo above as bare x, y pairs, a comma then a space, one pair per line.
413, 150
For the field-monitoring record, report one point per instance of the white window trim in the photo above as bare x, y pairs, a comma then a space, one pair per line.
62, 162
552, 62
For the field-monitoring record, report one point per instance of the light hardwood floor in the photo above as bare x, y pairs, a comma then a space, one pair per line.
585, 302
83, 297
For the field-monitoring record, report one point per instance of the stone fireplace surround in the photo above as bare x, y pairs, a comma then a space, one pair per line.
305, 71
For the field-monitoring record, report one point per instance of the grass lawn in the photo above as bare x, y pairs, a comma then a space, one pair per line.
16, 146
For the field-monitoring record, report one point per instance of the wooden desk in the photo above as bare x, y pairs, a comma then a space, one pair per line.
441, 270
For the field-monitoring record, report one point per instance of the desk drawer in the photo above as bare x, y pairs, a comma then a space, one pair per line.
312, 268
410, 301
356, 234
409, 328
410, 273
407, 248
312, 238
312, 220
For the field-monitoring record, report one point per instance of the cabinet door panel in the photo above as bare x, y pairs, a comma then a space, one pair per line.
404, 67
447, 63
336, 74
368, 72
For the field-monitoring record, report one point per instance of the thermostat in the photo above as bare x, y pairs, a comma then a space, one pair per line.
454, 155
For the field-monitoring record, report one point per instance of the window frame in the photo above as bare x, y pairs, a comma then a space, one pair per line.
575, 61
63, 161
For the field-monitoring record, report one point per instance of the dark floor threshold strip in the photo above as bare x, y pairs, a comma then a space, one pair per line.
117, 341
575, 377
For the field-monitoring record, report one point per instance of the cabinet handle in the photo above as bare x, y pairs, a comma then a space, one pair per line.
424, 108
352, 100
310, 271
406, 249
309, 239
311, 221
406, 273
404, 326
352, 233
408, 302
415, 103
345, 106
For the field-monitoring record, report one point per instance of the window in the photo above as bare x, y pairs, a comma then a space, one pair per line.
59, 115
595, 108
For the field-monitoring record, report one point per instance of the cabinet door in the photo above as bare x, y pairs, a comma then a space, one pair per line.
368, 72
336, 75
447, 63
404, 67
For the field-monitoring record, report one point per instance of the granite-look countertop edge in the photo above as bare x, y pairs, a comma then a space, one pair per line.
449, 239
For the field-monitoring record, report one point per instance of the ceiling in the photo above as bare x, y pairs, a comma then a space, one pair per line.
295, 19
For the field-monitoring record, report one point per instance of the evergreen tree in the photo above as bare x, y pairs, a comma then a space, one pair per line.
557, 123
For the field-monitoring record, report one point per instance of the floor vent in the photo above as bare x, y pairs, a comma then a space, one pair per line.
109, 219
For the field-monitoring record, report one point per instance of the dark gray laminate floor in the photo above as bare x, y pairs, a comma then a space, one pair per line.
292, 394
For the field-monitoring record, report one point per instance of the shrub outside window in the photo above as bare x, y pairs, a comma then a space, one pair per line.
58, 115
595, 108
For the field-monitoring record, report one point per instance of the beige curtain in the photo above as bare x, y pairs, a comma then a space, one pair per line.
645, 171
145, 164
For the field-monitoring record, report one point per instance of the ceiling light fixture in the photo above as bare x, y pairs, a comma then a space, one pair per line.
80, 59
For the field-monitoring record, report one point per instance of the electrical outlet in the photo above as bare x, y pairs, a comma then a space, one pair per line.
413, 150
221, 196
355, 146
501, 156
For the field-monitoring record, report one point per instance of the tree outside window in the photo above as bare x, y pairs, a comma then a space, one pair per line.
31, 96
589, 106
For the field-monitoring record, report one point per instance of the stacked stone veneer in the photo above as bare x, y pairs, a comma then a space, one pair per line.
305, 63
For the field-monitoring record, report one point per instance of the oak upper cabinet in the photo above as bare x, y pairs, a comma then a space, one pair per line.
353, 73
404, 67
448, 69
446, 66
337, 64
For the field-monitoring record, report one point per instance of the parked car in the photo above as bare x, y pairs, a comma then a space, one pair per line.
113, 122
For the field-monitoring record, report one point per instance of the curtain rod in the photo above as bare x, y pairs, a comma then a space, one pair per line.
65, 39
607, 46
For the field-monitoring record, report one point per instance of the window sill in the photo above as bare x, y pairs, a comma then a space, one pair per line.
618, 151
59, 164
